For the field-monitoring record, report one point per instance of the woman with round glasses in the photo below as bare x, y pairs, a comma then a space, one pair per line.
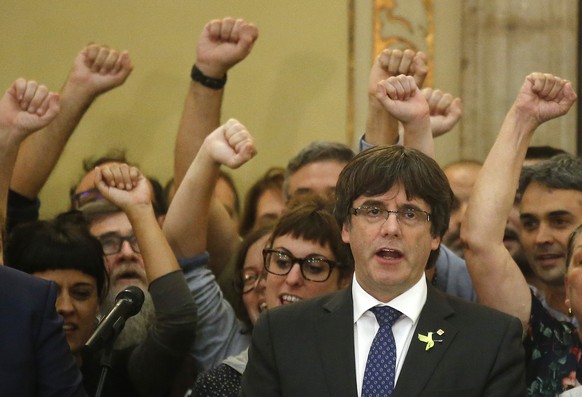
305, 257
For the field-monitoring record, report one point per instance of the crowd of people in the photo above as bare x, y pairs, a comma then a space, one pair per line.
411, 279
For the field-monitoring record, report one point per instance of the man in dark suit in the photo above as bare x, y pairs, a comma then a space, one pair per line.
394, 205
35, 359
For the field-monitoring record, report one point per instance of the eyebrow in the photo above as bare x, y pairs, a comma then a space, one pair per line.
552, 214
109, 234
83, 284
310, 255
379, 204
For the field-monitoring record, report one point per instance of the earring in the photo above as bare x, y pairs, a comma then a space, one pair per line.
570, 311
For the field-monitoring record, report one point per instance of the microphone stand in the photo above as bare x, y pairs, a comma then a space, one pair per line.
106, 360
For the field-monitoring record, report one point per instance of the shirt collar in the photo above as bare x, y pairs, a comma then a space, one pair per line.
409, 303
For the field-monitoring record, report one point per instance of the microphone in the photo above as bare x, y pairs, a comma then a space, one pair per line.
127, 304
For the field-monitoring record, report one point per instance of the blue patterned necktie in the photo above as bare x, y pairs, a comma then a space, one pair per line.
381, 365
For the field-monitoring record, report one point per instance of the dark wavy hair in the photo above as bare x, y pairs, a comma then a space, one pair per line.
63, 243
310, 217
374, 171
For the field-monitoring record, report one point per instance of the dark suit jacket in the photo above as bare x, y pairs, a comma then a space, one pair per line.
307, 349
35, 359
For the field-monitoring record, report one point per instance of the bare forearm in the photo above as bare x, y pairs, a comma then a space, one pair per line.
418, 135
381, 128
494, 191
200, 116
496, 277
39, 153
186, 223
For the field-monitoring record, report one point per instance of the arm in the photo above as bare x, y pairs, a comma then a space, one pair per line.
185, 227
403, 100
154, 362
382, 127
222, 44
25, 108
496, 277
187, 220
96, 70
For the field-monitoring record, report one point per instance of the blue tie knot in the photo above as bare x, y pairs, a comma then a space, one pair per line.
386, 315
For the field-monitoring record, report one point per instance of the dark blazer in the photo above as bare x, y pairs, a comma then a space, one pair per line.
35, 359
307, 349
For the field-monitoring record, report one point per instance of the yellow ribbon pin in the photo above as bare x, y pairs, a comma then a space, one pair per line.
427, 339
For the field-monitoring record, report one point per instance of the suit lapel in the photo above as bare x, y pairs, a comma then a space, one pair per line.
420, 363
335, 337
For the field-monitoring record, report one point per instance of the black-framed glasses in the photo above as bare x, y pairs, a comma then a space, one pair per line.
112, 243
404, 216
82, 198
313, 268
247, 280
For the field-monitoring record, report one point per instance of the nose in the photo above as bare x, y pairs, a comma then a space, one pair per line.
390, 226
294, 277
126, 249
544, 234
261, 282
64, 304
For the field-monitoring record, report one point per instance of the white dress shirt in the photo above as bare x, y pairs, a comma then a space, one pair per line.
410, 304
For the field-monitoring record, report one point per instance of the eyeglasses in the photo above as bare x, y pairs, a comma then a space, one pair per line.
315, 269
80, 199
112, 243
247, 281
404, 216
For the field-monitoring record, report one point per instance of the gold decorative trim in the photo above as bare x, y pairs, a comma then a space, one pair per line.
393, 28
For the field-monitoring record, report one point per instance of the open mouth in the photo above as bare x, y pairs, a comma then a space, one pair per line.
288, 299
387, 253
69, 327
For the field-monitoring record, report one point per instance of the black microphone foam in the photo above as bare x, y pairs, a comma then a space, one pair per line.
127, 304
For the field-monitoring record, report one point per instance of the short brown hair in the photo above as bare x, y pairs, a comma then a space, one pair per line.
376, 170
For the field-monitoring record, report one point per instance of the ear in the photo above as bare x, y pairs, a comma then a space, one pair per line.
345, 233
435, 243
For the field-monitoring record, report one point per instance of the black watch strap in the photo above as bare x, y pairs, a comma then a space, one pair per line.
210, 82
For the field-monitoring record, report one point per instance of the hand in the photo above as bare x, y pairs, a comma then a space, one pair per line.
231, 144
402, 99
98, 69
26, 107
544, 96
223, 43
391, 63
123, 185
445, 111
